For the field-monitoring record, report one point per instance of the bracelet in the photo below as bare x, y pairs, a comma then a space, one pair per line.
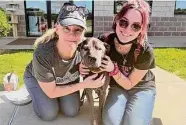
114, 71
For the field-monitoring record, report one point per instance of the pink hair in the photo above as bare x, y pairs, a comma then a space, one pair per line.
144, 8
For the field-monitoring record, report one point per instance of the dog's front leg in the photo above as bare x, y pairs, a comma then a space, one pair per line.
101, 103
91, 102
102, 97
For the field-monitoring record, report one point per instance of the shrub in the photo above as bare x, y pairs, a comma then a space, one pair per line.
4, 25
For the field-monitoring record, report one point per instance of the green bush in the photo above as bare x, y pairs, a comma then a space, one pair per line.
4, 26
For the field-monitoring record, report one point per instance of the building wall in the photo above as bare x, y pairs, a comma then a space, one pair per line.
164, 22
21, 16
103, 16
21, 19
20, 11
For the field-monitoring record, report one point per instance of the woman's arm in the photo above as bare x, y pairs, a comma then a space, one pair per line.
132, 80
53, 91
126, 82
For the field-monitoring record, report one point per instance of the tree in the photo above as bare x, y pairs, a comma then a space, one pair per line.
4, 25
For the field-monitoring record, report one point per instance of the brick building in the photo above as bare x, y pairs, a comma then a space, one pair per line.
168, 18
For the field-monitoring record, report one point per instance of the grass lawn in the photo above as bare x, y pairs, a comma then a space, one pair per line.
14, 61
170, 59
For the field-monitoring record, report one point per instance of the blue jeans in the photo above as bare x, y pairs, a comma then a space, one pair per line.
133, 107
46, 108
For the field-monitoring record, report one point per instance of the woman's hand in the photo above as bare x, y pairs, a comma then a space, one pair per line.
83, 69
107, 65
94, 82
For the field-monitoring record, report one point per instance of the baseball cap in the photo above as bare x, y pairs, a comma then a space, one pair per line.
70, 14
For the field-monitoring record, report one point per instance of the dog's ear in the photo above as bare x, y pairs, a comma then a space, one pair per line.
107, 46
79, 47
81, 44
85, 41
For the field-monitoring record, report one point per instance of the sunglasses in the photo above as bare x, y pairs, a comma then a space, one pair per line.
72, 7
124, 23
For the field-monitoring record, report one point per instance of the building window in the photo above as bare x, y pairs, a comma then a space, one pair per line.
36, 17
41, 15
180, 7
55, 8
118, 5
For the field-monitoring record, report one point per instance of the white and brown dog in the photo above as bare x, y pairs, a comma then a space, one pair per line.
93, 51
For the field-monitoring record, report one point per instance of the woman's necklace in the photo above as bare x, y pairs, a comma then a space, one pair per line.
125, 59
123, 54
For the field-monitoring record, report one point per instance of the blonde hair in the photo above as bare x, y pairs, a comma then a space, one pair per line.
49, 35
46, 37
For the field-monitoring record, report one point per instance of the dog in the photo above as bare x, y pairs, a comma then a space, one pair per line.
10, 81
93, 51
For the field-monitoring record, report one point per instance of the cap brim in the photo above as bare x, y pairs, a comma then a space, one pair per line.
72, 21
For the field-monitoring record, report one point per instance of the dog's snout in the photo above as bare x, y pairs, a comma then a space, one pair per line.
91, 59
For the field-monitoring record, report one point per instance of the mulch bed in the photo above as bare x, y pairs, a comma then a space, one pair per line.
23, 41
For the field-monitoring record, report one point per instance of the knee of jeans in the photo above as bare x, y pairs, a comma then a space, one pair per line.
49, 116
71, 111
110, 118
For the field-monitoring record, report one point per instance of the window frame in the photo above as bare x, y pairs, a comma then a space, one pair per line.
49, 18
177, 13
122, 1
89, 34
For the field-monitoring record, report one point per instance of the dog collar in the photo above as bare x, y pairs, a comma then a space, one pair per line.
95, 70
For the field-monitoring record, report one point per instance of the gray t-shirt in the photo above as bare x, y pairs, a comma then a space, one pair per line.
48, 66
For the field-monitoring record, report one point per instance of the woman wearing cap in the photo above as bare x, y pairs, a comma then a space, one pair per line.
52, 77
131, 96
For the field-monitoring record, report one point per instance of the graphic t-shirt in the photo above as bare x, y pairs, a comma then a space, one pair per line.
48, 66
145, 61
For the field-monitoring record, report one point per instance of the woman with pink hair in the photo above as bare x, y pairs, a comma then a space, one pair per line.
131, 96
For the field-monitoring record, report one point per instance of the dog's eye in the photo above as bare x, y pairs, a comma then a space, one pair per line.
85, 48
97, 48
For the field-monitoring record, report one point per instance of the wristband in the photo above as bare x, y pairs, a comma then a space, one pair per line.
114, 71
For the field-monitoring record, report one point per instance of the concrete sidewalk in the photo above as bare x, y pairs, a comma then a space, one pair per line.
170, 41
170, 99
4, 41
169, 106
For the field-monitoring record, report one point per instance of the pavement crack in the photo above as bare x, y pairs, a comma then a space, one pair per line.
13, 115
